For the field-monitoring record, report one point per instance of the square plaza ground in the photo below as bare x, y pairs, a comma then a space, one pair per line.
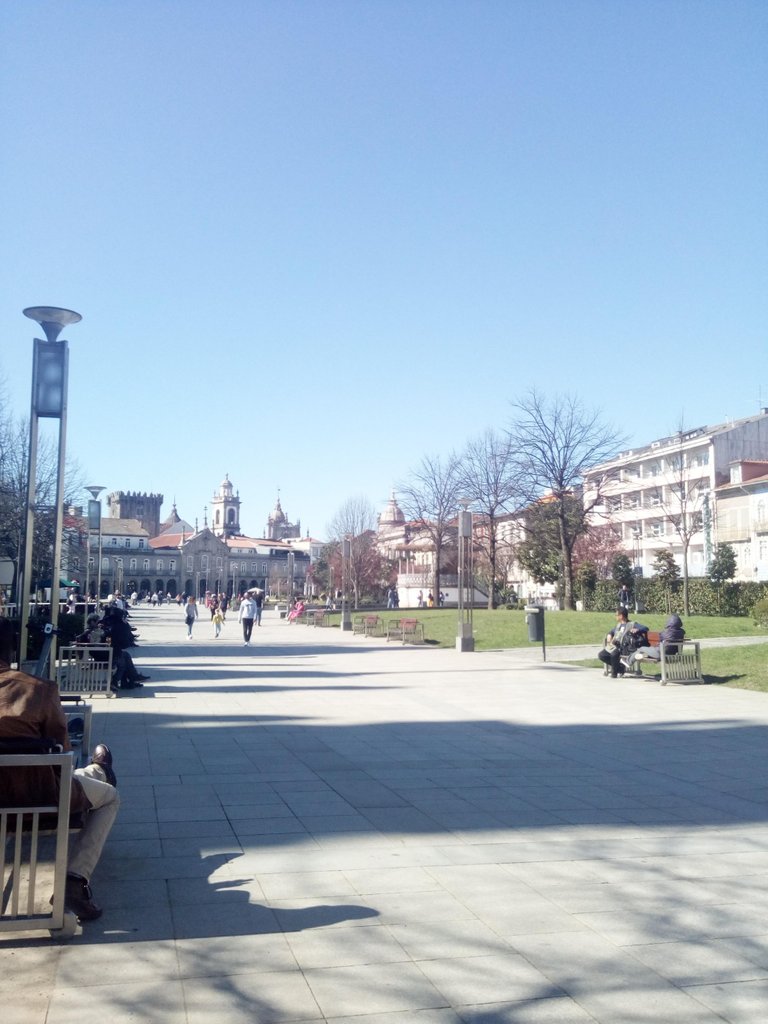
323, 827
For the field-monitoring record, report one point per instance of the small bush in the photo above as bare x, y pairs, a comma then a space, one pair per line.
760, 612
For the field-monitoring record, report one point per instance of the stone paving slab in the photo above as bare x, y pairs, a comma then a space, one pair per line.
323, 827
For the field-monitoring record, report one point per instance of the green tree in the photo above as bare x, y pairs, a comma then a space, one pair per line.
722, 568
621, 570
539, 553
667, 571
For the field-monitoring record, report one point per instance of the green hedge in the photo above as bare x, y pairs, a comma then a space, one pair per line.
703, 596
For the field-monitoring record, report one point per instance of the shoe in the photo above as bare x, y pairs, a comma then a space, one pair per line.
102, 756
639, 655
79, 899
614, 675
142, 678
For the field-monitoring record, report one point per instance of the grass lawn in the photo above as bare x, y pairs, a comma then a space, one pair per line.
501, 628
744, 667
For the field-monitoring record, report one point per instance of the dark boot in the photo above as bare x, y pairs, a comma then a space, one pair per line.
79, 899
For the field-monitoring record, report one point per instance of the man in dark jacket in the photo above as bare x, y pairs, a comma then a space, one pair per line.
30, 709
624, 638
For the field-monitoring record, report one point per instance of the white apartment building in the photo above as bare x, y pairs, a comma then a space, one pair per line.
742, 518
642, 491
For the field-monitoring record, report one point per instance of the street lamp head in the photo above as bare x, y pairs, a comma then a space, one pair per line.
52, 319
94, 491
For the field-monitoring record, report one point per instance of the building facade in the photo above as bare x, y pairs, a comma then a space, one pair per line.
656, 496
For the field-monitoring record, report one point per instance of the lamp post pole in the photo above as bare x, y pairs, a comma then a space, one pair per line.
50, 369
465, 640
94, 523
346, 554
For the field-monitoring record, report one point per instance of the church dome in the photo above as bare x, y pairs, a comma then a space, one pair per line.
392, 514
278, 516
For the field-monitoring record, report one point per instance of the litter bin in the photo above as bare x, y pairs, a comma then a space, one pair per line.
534, 618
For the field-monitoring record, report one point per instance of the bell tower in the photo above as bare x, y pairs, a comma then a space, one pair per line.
225, 510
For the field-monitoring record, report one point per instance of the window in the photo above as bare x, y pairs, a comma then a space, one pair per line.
141, 542
114, 542
204, 563
172, 565
75, 563
656, 528
146, 565
243, 568
159, 565
263, 568
105, 564
91, 562
127, 542
219, 564
190, 563
133, 565
253, 567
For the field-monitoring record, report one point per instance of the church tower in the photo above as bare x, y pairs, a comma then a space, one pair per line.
225, 511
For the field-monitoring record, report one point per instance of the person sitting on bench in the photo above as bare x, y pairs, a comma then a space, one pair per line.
672, 634
621, 641
30, 709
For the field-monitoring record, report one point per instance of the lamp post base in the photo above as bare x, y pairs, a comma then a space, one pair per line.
465, 643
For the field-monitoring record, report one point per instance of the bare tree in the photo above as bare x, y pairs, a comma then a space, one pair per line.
490, 479
682, 504
556, 441
429, 498
356, 519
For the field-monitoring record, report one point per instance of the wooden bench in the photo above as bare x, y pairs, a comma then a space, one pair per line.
683, 666
368, 625
406, 630
85, 668
22, 908
314, 617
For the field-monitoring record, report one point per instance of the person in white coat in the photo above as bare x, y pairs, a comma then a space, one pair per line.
246, 615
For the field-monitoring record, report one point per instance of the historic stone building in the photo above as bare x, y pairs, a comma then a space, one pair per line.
225, 510
278, 526
137, 505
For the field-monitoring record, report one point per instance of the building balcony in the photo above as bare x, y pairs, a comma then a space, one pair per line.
734, 534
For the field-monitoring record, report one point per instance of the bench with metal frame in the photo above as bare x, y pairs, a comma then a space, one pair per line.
680, 660
85, 668
368, 625
22, 908
406, 630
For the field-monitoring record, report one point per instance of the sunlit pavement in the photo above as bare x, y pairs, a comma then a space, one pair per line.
322, 827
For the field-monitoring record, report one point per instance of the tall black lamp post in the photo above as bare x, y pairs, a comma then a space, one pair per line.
50, 368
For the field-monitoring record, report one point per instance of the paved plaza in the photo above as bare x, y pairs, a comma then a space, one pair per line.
324, 827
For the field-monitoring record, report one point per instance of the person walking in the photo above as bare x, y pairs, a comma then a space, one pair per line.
218, 621
246, 615
190, 614
258, 600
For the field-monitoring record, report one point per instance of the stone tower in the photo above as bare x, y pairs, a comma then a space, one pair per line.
137, 505
225, 511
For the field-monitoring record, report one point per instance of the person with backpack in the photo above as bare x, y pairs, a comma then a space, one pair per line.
621, 642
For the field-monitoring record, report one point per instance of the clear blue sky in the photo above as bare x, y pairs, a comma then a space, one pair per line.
314, 241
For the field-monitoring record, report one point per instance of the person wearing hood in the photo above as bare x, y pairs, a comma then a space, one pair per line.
672, 633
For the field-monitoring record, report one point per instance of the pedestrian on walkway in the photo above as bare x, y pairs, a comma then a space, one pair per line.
218, 621
246, 615
190, 614
258, 600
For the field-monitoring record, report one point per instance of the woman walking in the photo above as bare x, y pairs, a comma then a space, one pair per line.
190, 614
